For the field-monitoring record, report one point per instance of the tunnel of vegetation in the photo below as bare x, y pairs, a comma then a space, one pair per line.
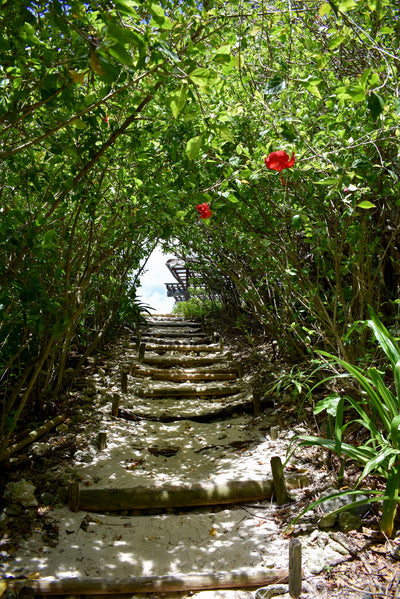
120, 117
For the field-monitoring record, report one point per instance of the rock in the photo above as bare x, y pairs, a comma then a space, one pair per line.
39, 449
84, 456
395, 554
348, 521
47, 498
21, 492
297, 480
327, 521
90, 391
13, 509
330, 505
62, 428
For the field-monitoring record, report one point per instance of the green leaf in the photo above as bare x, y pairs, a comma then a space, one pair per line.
127, 7
361, 163
177, 101
275, 85
203, 77
193, 147
395, 433
48, 238
346, 5
366, 205
324, 9
339, 427
336, 41
391, 499
225, 133
384, 338
159, 17
123, 57
328, 181
397, 379
375, 105
329, 404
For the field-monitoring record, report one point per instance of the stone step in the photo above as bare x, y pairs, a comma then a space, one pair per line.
186, 390
167, 361
176, 341
184, 375
212, 347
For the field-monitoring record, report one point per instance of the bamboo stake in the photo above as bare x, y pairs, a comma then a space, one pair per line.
115, 404
280, 490
295, 573
124, 382
168, 495
150, 584
142, 349
32, 436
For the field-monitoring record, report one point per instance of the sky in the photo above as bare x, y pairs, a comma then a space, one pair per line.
152, 290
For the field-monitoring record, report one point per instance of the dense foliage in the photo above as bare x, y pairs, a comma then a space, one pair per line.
119, 117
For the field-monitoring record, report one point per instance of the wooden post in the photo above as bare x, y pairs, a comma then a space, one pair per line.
280, 490
132, 369
295, 574
73, 497
124, 382
239, 369
203, 326
101, 440
138, 340
221, 345
142, 349
115, 404
274, 433
256, 405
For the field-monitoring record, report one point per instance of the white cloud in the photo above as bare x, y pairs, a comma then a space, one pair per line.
152, 290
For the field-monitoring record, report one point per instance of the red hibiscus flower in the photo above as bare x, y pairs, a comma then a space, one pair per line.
277, 161
204, 210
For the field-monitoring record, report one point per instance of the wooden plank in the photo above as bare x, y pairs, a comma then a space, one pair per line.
150, 584
169, 495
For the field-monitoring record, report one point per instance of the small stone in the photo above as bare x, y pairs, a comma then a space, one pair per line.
47, 498
13, 509
21, 492
395, 554
348, 521
39, 449
297, 480
331, 505
90, 391
327, 521
62, 428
